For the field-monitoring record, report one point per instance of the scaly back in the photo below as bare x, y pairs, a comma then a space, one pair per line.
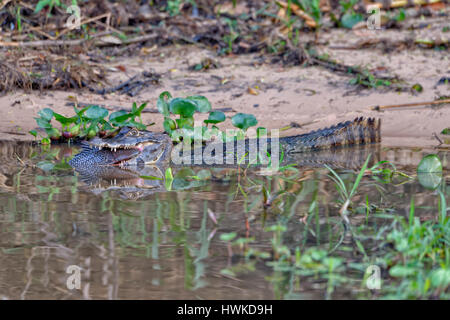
356, 132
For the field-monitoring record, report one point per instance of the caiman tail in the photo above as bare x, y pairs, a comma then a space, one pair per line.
357, 132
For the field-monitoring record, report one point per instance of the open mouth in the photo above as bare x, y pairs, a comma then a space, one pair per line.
118, 154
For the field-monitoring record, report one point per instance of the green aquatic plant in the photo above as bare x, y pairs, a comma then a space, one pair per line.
346, 196
93, 120
87, 122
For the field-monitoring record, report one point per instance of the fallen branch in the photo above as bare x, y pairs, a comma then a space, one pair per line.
416, 104
99, 42
52, 43
400, 3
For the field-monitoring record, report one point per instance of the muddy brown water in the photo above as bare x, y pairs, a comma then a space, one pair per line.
138, 244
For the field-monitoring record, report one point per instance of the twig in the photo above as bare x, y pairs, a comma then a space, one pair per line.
416, 104
52, 43
401, 3
105, 15
438, 139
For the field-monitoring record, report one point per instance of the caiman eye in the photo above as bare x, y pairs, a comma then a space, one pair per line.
134, 132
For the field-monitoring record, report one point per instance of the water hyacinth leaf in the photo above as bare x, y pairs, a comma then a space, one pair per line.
183, 107
169, 125
202, 103
204, 174
430, 163
119, 117
185, 173
349, 19
215, 117
46, 114
429, 180
45, 165
44, 124
244, 121
187, 123
162, 103
80, 112
96, 112
137, 125
33, 133
64, 120
106, 125
62, 166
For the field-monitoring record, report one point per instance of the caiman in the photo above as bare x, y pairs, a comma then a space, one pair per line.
131, 163
132, 147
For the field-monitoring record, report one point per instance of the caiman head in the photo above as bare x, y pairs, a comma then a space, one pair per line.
127, 147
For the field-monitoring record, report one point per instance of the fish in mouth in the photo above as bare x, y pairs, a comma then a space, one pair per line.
124, 147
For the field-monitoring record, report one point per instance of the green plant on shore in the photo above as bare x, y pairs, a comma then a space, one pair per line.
87, 122
348, 16
231, 36
185, 108
368, 80
92, 121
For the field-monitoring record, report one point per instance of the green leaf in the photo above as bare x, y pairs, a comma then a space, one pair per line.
45, 165
162, 104
401, 271
204, 174
228, 236
187, 123
445, 131
136, 124
440, 278
119, 116
64, 120
244, 121
215, 117
33, 133
430, 163
96, 112
106, 125
261, 132
139, 110
417, 87
42, 123
41, 5
169, 125
46, 114
150, 178
169, 179
202, 103
183, 107
349, 19
429, 180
